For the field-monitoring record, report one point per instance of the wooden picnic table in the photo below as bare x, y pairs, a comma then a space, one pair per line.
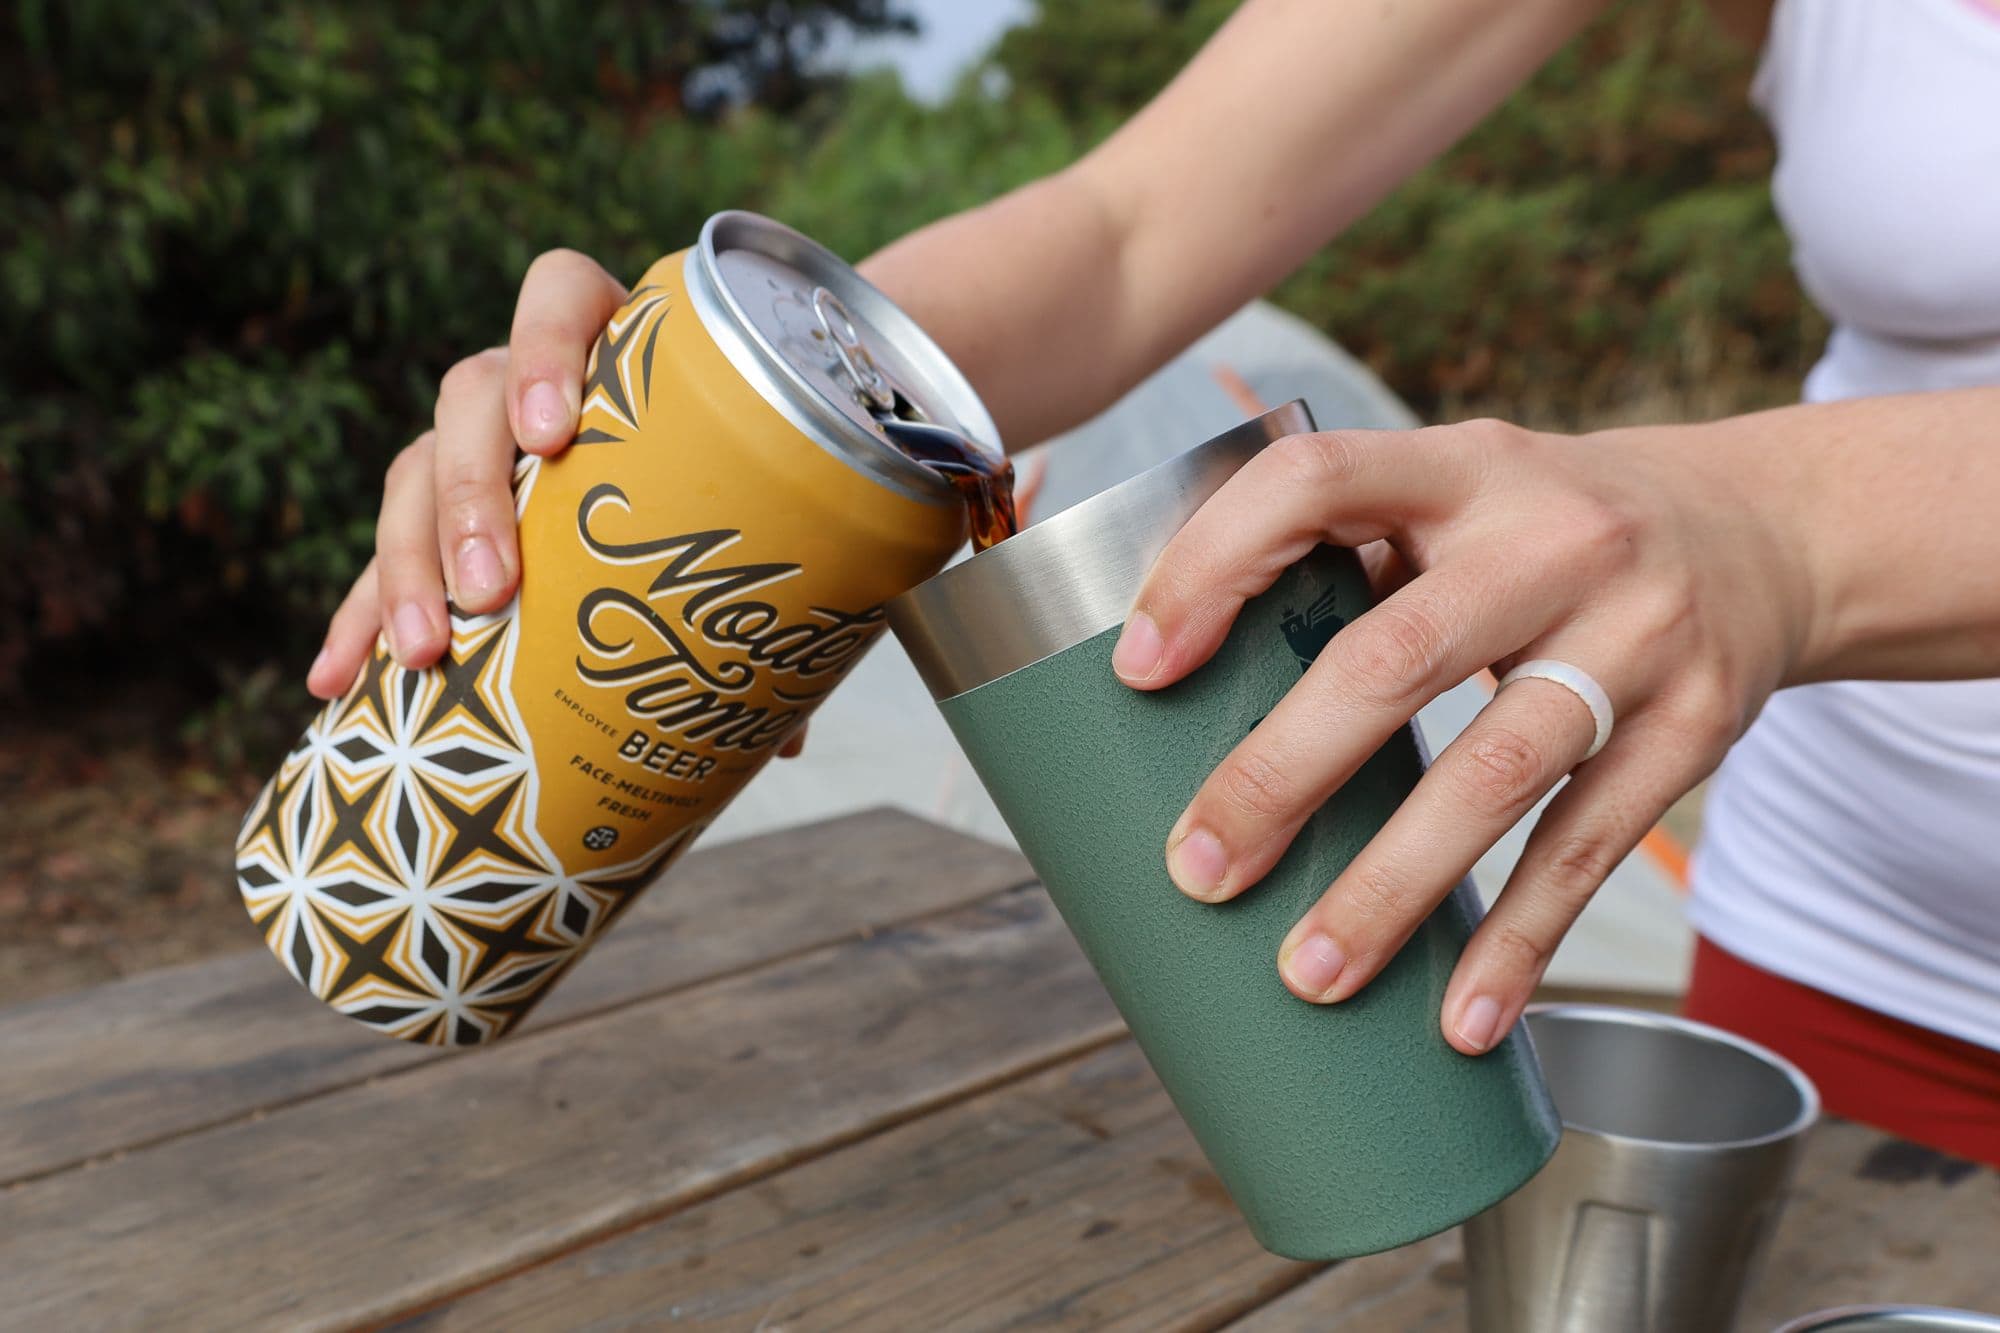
849, 1076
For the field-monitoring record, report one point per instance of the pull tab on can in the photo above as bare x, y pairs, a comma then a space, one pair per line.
870, 385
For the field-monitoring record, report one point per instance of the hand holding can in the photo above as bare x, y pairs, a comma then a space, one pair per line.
699, 569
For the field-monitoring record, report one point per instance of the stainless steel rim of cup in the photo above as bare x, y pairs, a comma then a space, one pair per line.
1892, 1319
1072, 576
1651, 1080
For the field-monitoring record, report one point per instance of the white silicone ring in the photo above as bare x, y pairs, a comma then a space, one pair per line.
1578, 682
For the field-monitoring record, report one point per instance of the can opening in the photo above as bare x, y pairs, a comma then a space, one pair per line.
827, 349
983, 477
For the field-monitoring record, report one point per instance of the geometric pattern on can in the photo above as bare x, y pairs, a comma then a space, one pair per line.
392, 863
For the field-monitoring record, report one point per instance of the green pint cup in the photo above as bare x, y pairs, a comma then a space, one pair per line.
1339, 1130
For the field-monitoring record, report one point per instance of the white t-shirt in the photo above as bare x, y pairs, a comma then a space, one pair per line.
1852, 838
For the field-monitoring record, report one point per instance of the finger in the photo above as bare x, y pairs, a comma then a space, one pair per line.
795, 744
566, 300
1366, 684
350, 638
473, 465
1520, 746
1590, 826
1344, 487
410, 583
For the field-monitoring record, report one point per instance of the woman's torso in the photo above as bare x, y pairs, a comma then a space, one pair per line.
1852, 839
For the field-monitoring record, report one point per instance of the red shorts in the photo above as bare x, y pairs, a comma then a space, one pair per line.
1917, 1084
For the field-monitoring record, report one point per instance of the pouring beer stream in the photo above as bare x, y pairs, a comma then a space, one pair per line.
983, 477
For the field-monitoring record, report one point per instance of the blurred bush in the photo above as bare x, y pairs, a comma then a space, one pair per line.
241, 240
1606, 236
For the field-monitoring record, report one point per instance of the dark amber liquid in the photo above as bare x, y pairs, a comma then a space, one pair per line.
985, 483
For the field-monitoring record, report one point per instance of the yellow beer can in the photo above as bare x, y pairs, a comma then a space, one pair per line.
704, 563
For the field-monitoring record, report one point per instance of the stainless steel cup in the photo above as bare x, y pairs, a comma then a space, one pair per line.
1678, 1144
1893, 1319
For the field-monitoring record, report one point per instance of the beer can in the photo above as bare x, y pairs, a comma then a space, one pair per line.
701, 566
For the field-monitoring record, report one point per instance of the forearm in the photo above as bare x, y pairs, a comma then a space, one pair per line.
1023, 293
1297, 118
1894, 507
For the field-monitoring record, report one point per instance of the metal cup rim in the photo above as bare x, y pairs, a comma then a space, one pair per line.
1970, 1321
1084, 566
1809, 1103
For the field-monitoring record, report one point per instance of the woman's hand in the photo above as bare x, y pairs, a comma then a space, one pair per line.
1640, 556
447, 520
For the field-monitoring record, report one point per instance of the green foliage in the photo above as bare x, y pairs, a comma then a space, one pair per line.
252, 721
1607, 234
240, 242
1107, 58
253, 455
887, 165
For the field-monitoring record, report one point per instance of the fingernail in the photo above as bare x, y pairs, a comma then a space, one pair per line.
1477, 1021
1137, 655
479, 573
544, 414
1197, 864
412, 629
1313, 964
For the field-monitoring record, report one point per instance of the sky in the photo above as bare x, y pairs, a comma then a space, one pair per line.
953, 34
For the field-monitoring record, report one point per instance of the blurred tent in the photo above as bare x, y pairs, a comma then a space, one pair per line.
879, 740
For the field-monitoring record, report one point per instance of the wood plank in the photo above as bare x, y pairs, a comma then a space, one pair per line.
367, 1202
1872, 1219
1075, 1199
1419, 1288
135, 1061
1875, 1219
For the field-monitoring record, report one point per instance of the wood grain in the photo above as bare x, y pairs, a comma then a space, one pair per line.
1419, 1288
133, 1062
1871, 1220
370, 1201
1075, 1199
1874, 1219
839, 1078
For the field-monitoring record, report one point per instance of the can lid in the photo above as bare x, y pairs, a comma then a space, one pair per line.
827, 348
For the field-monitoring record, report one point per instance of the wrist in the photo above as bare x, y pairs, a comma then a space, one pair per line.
1782, 473
1894, 499
1750, 510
